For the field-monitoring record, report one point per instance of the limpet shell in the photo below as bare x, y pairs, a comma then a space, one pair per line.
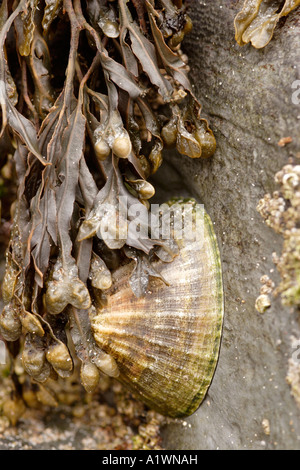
166, 344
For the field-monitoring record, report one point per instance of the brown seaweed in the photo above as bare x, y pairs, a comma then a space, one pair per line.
87, 98
257, 20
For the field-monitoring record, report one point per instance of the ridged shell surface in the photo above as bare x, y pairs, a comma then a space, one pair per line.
166, 343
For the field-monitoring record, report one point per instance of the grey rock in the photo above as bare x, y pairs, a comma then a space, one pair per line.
247, 97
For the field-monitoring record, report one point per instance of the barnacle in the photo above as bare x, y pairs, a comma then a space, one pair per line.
281, 212
85, 137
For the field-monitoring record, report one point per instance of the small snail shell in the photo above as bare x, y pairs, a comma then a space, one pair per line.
122, 146
176, 39
60, 359
169, 134
99, 273
10, 323
13, 410
89, 375
188, 25
207, 142
31, 323
34, 358
106, 364
102, 149
166, 343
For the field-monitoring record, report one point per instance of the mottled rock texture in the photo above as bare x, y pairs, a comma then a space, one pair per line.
247, 97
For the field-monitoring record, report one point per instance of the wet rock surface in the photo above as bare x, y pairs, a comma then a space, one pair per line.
247, 98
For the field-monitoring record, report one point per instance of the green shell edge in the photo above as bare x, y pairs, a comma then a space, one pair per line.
199, 397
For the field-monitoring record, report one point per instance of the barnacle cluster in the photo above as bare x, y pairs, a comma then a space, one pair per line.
91, 93
281, 212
